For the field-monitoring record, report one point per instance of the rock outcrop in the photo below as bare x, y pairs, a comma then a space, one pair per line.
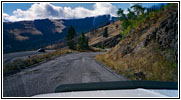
166, 34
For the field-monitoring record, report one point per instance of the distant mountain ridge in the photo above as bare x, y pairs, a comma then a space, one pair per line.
29, 35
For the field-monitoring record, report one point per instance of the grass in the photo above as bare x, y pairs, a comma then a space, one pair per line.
91, 49
155, 65
20, 64
109, 62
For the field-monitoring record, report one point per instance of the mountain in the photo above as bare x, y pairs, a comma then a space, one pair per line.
30, 35
150, 49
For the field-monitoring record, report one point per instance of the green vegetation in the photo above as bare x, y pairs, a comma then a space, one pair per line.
105, 32
136, 19
123, 18
20, 64
76, 43
138, 9
83, 42
70, 38
101, 46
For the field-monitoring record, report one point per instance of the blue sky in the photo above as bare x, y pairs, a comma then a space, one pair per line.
30, 11
10, 7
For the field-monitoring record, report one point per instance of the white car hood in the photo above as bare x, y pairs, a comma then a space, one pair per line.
114, 93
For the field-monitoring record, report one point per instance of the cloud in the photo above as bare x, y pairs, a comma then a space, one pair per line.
47, 10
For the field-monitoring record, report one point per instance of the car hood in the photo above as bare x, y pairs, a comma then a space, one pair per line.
115, 93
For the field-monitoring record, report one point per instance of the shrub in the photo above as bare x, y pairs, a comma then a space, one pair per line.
101, 46
152, 15
125, 32
105, 32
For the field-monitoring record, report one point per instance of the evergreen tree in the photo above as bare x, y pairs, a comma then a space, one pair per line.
138, 9
121, 14
123, 18
131, 15
105, 32
71, 34
83, 42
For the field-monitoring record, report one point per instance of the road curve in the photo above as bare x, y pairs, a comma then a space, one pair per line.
19, 55
66, 69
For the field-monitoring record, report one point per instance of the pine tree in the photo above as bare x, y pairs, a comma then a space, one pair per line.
131, 14
123, 18
105, 32
83, 42
71, 34
138, 9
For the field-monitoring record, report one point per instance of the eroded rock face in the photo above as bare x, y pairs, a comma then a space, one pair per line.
149, 37
167, 34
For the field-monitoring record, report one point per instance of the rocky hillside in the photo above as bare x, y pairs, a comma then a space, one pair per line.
150, 51
29, 35
97, 39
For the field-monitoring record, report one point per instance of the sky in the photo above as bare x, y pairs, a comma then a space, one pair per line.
29, 11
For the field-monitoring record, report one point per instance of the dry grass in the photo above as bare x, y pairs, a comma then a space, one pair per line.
151, 62
96, 36
94, 49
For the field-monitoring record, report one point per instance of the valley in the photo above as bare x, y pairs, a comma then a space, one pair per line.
141, 44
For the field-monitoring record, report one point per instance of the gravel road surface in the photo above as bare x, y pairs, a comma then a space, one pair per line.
66, 69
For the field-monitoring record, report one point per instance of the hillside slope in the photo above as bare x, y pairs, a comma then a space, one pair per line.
150, 51
96, 38
29, 35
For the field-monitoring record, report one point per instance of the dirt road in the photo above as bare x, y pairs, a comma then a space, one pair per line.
66, 69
